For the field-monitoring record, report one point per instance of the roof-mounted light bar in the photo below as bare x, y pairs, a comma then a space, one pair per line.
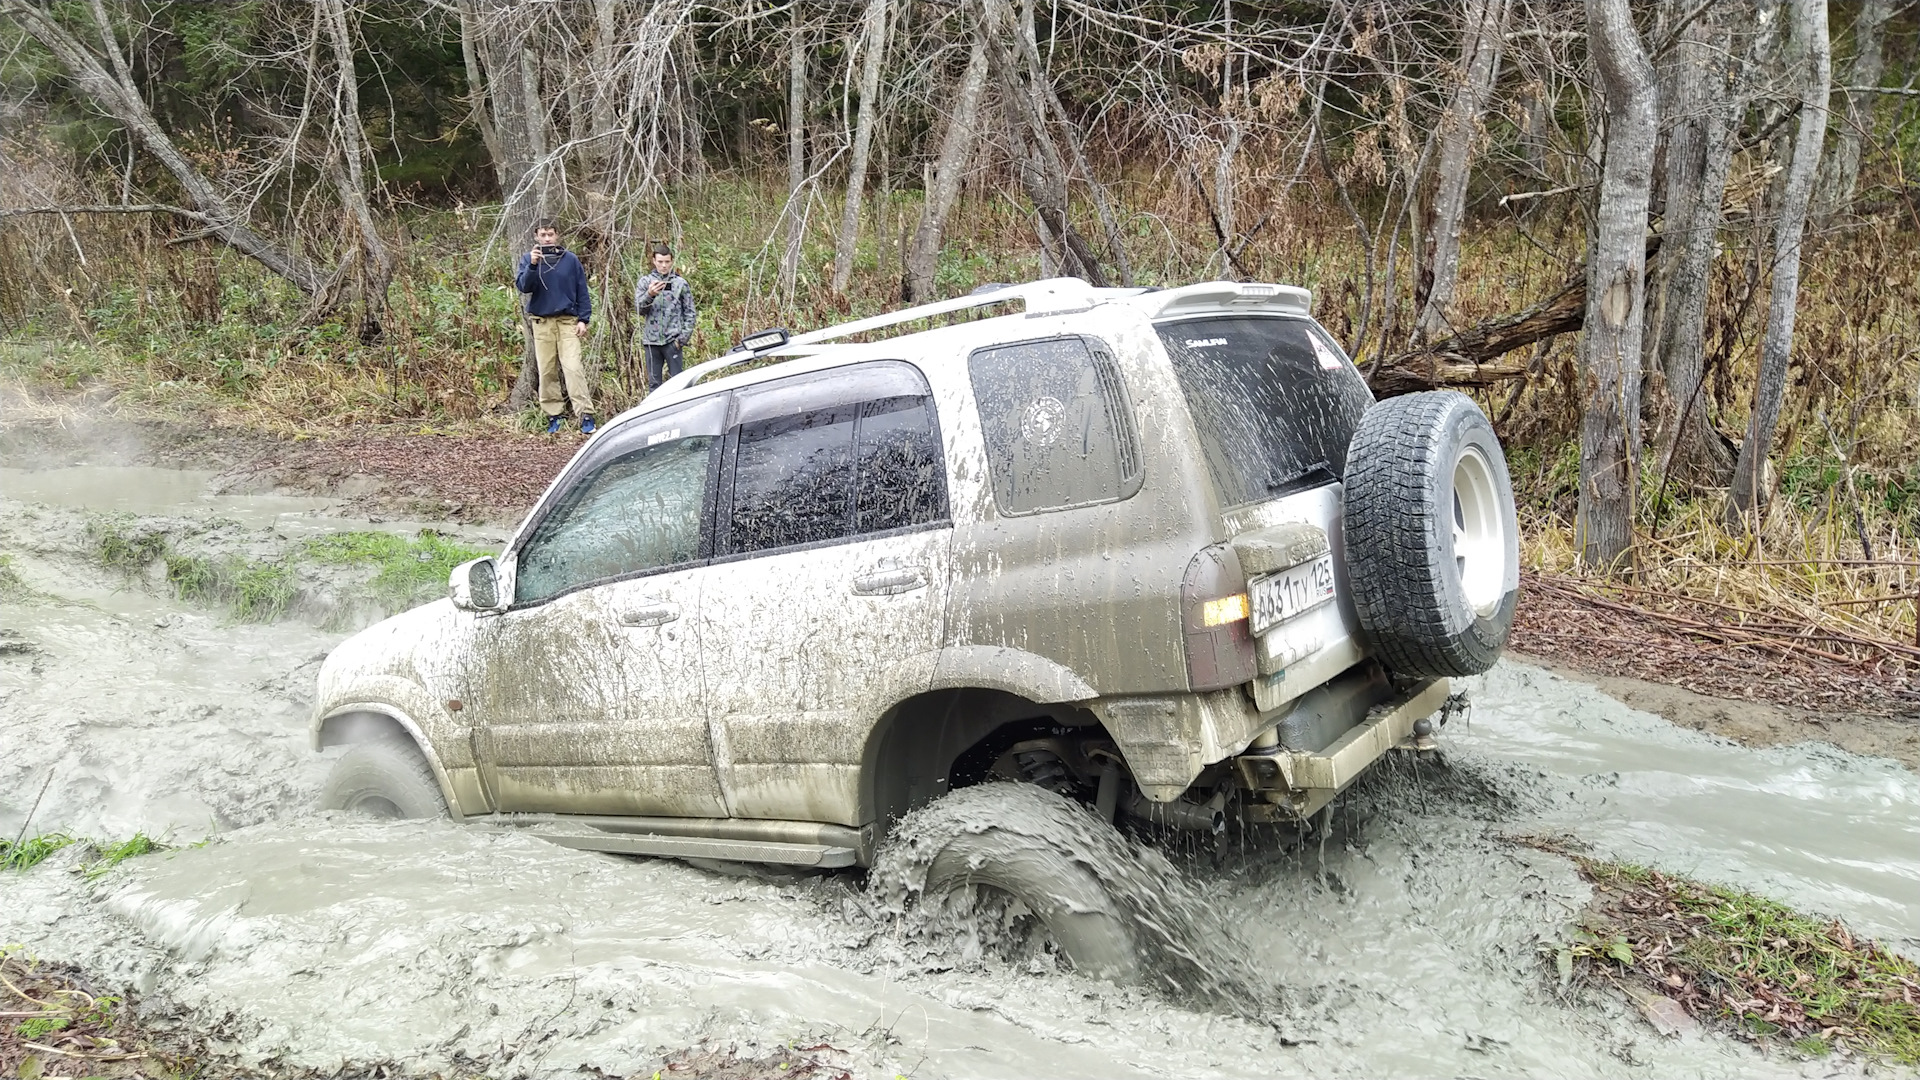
763, 341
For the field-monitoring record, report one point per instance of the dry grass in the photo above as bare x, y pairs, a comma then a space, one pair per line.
1751, 966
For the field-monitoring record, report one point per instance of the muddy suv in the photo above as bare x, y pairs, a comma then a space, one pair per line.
1157, 551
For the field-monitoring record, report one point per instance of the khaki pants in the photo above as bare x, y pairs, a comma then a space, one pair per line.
557, 348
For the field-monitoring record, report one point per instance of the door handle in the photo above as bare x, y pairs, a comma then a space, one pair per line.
651, 615
891, 582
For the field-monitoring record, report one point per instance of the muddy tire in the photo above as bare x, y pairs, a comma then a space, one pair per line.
1432, 540
1015, 838
384, 778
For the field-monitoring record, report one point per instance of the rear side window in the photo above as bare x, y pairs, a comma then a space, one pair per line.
1274, 401
810, 469
1058, 426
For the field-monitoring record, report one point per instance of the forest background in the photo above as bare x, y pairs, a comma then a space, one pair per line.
1669, 246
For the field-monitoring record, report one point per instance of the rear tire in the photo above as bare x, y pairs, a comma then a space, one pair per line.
1432, 539
1014, 838
384, 778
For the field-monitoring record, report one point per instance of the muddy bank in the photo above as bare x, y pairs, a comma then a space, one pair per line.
1409, 943
1753, 723
484, 473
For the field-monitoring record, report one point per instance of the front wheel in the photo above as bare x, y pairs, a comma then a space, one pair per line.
384, 778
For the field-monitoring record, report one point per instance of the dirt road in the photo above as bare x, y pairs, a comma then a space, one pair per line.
1409, 943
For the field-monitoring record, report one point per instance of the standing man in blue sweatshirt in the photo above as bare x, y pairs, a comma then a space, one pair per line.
664, 302
559, 306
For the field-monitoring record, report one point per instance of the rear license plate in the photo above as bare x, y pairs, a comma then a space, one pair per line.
1279, 597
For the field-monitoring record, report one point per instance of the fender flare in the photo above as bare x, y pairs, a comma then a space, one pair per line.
413, 729
1016, 671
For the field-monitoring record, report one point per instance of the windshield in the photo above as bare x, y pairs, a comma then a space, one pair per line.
1274, 400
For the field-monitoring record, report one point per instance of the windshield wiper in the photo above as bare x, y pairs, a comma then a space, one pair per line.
1313, 476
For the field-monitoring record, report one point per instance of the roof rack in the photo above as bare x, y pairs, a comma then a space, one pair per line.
1050, 296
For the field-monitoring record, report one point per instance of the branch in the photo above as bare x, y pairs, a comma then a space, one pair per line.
1899, 91
1523, 196
110, 208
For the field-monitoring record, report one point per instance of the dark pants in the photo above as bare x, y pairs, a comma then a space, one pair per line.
663, 357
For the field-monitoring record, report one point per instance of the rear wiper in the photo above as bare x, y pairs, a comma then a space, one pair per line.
1312, 476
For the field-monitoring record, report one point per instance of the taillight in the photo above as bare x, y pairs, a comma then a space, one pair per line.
1213, 612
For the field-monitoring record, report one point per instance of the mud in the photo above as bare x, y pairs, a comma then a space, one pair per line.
1757, 723
1408, 942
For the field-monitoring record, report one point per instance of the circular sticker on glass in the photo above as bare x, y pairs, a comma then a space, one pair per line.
1041, 421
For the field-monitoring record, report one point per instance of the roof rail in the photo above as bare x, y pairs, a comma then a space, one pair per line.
1041, 297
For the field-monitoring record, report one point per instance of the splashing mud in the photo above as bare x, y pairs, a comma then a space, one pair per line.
1407, 937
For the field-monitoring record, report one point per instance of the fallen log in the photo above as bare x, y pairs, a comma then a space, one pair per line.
1473, 357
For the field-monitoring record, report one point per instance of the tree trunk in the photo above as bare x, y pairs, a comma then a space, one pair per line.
376, 269
1485, 25
875, 35
796, 163
117, 95
1699, 154
1840, 175
502, 31
956, 149
1749, 494
1610, 345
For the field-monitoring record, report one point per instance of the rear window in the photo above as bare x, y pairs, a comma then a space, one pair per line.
1274, 400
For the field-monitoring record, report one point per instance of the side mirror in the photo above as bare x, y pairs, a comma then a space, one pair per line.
475, 585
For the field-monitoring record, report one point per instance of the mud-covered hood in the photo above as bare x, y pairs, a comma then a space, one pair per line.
387, 663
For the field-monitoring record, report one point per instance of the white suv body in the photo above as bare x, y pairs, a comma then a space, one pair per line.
779, 605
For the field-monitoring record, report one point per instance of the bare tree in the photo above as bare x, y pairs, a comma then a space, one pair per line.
1485, 23
1013, 62
796, 161
1840, 174
1610, 345
1749, 492
346, 164
103, 76
943, 189
873, 52
1700, 147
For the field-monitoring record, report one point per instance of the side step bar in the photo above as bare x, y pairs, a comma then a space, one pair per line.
686, 847
784, 843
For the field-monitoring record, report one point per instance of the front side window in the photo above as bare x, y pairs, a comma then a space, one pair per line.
835, 455
1275, 403
641, 507
1058, 427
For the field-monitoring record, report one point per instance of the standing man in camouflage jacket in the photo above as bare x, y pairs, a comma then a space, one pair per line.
664, 302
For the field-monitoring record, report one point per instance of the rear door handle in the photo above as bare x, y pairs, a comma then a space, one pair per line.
890, 582
651, 615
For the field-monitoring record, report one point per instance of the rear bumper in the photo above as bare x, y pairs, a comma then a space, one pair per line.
1298, 783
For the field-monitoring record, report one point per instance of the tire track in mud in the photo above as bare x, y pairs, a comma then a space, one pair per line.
1408, 941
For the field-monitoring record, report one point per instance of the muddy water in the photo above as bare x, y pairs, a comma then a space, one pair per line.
1407, 944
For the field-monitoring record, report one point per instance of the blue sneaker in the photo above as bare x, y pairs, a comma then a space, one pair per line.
586, 423
553, 425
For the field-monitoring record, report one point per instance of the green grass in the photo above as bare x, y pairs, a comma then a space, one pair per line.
119, 545
101, 855
250, 591
409, 570
31, 852
1749, 963
12, 585
108, 856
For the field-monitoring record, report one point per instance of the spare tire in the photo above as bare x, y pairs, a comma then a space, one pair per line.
1432, 540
